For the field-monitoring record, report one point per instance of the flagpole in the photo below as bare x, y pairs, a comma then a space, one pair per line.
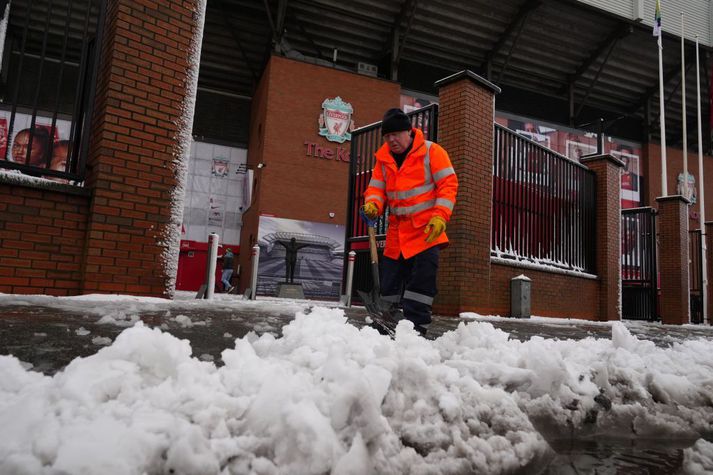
701, 198
686, 193
662, 120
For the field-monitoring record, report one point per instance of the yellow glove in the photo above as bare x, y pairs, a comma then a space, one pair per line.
370, 210
434, 228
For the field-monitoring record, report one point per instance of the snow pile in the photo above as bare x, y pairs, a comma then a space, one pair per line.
699, 458
101, 341
186, 322
328, 397
119, 318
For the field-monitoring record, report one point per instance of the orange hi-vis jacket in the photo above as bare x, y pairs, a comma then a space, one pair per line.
425, 186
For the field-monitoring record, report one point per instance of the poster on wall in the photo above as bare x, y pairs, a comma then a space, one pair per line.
318, 262
411, 101
215, 187
47, 144
630, 175
577, 150
216, 213
574, 144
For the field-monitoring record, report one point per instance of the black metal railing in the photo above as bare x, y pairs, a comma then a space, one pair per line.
543, 205
638, 264
695, 275
365, 142
47, 86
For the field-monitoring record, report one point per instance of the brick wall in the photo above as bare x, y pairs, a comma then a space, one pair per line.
42, 233
674, 166
465, 130
138, 148
552, 294
295, 185
608, 233
286, 111
251, 216
674, 304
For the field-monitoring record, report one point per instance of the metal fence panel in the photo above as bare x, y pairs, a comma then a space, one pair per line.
49, 70
543, 205
638, 264
695, 275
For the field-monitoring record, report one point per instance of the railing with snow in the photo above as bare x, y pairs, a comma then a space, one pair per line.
543, 205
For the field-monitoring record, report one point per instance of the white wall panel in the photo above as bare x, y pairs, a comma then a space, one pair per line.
697, 14
623, 8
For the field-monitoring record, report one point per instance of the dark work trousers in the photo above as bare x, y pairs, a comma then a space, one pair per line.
412, 282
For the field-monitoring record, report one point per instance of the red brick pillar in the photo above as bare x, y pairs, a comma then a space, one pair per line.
709, 266
141, 137
607, 170
673, 259
465, 129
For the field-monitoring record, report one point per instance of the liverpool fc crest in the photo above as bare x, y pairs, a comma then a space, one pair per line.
335, 122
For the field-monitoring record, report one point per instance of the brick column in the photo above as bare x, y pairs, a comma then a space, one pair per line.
709, 266
673, 259
607, 170
140, 142
465, 130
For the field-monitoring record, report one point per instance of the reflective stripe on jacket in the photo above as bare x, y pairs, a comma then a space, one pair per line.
424, 186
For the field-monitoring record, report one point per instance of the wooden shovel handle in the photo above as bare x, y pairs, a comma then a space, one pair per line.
372, 245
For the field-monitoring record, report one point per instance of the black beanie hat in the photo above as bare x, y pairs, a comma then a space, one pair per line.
395, 120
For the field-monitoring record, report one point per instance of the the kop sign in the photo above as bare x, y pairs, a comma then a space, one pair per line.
336, 125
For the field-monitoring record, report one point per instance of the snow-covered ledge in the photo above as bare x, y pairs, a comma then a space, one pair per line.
14, 177
541, 267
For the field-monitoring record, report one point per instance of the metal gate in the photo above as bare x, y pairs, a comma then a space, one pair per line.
365, 142
695, 275
47, 85
638, 264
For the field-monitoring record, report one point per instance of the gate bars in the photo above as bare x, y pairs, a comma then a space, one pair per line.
543, 205
638, 264
695, 275
49, 67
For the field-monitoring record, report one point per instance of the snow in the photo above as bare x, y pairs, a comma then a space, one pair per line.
168, 236
3, 30
327, 396
698, 459
186, 322
537, 264
19, 178
101, 341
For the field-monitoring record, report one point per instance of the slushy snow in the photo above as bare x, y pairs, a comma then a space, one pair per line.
328, 397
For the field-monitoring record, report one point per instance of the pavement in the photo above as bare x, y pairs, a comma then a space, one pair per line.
48, 335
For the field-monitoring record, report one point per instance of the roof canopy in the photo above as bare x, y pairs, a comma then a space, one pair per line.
540, 52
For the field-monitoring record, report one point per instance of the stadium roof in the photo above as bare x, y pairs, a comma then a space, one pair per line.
540, 52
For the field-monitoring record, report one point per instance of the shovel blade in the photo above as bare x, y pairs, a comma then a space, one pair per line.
378, 308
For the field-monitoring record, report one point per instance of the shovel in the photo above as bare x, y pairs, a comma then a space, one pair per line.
384, 313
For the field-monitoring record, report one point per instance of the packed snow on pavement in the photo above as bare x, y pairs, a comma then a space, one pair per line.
327, 396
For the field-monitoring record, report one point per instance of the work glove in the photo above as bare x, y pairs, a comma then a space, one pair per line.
434, 228
369, 213
370, 210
